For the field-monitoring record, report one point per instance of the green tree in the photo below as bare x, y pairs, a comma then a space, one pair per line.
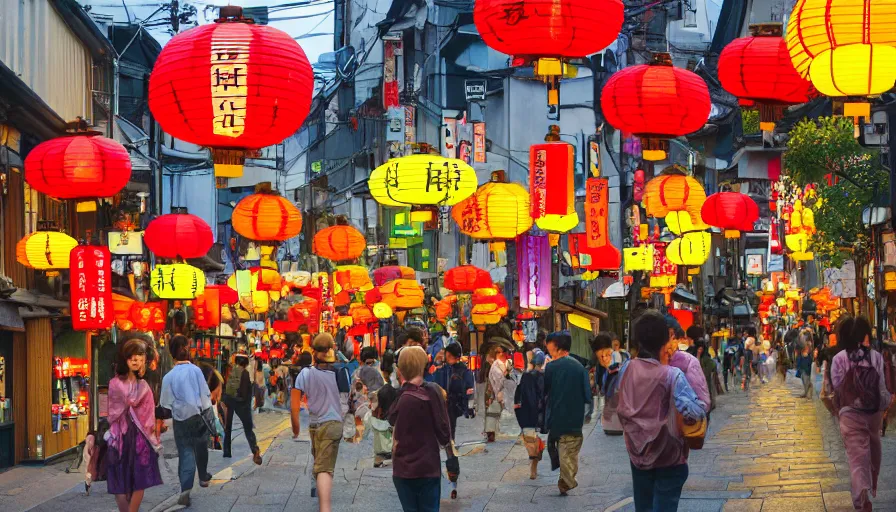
825, 152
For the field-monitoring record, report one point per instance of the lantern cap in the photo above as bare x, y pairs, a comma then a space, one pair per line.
232, 14
767, 29
265, 188
661, 59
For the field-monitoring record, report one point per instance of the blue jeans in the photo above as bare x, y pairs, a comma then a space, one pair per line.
419, 494
658, 490
191, 439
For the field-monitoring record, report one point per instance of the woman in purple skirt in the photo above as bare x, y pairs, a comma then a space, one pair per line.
132, 460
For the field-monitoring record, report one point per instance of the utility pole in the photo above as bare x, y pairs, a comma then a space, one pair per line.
175, 16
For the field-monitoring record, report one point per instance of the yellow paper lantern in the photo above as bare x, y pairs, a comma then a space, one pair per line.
638, 258
854, 70
802, 256
422, 179
382, 310
797, 242
890, 280
692, 249
496, 211
45, 250
177, 281
683, 222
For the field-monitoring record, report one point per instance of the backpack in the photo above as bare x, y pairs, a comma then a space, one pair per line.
232, 387
343, 378
860, 386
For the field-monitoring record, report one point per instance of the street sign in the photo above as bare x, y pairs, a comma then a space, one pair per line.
474, 89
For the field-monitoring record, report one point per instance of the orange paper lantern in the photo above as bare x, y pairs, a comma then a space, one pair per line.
266, 216
339, 243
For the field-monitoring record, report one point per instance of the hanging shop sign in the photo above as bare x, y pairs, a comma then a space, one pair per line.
126, 243
479, 143
410, 128
474, 89
597, 203
91, 288
551, 186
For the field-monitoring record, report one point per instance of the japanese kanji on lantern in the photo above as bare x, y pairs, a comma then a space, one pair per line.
45, 250
91, 288
422, 180
656, 102
758, 70
552, 203
496, 211
177, 281
533, 257
234, 86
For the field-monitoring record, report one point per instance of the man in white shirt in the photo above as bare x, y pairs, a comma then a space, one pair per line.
494, 395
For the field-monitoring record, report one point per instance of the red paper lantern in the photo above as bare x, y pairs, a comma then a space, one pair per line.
552, 198
339, 243
656, 102
91, 288
148, 316
758, 70
467, 279
178, 235
571, 28
731, 211
232, 84
81, 166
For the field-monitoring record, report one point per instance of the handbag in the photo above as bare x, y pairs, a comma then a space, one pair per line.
694, 435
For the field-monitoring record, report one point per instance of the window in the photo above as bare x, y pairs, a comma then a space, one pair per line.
32, 211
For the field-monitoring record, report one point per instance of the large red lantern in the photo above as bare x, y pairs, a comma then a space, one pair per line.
551, 28
731, 211
656, 102
91, 288
232, 86
178, 235
79, 166
339, 243
552, 197
467, 279
758, 70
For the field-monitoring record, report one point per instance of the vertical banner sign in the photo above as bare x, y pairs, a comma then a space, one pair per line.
390, 80
597, 203
479, 143
91, 288
664, 271
410, 128
550, 179
449, 137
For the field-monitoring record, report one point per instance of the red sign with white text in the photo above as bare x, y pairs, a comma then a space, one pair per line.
91, 288
597, 204
551, 179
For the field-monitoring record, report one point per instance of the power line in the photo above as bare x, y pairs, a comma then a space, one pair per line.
310, 32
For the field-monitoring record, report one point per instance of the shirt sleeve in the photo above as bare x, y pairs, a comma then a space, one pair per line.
205, 395
166, 398
686, 401
839, 366
300, 381
885, 397
697, 381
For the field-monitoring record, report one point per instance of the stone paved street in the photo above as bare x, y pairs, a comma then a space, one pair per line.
767, 451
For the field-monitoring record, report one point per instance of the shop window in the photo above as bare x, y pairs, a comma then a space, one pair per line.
32, 211
70, 376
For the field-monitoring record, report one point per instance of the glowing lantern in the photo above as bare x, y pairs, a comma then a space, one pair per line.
352, 278
91, 288
467, 278
638, 258
798, 243
731, 211
846, 48
45, 250
297, 279
445, 307
656, 102
497, 210
383, 275
489, 307
234, 86
372, 297
681, 222
533, 257
382, 311
177, 281
212, 299
551, 186
178, 235
361, 314
148, 316
675, 192
80, 166
758, 69
402, 294
691, 249
339, 243
554, 31
422, 180
266, 216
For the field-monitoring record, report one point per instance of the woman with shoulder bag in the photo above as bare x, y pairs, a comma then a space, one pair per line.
860, 397
185, 393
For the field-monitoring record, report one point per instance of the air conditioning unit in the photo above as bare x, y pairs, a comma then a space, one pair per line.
876, 133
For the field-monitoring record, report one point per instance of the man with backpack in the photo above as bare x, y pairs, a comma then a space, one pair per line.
457, 381
238, 400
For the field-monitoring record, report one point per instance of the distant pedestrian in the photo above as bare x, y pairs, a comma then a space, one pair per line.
649, 393
419, 418
603, 347
494, 393
529, 404
324, 415
185, 393
804, 370
238, 400
568, 391
132, 458
857, 374
457, 381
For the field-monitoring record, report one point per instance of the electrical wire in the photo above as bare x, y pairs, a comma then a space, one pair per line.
310, 32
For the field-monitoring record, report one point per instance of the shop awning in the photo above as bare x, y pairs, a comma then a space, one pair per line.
10, 319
